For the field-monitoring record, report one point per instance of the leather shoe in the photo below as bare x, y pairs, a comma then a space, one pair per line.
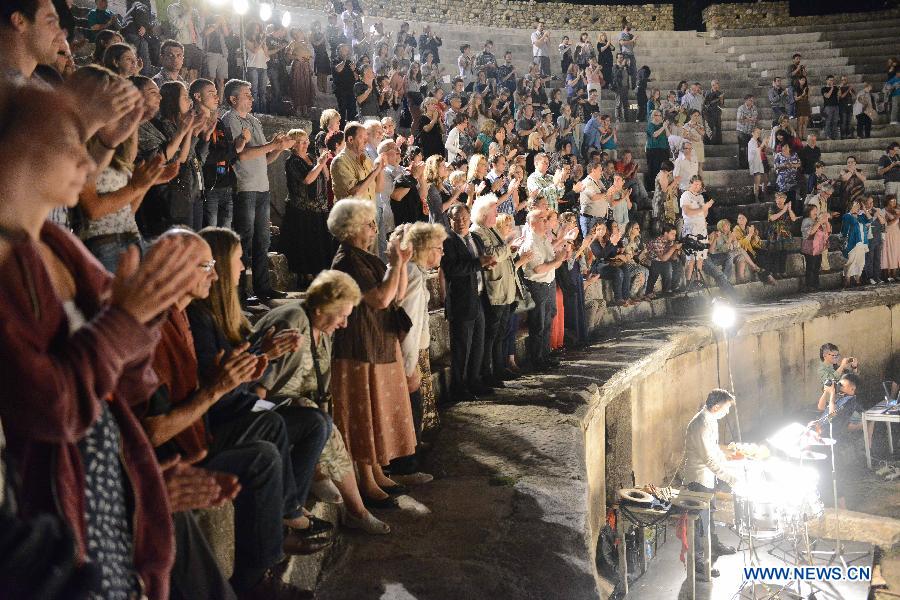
507, 375
495, 383
295, 543
720, 549
461, 396
700, 573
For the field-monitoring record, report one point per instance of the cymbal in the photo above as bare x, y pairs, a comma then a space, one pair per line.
807, 455
819, 441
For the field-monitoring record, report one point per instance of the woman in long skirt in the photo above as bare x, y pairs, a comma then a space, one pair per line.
300, 52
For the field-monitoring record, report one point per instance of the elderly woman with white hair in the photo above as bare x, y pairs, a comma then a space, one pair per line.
426, 241
371, 398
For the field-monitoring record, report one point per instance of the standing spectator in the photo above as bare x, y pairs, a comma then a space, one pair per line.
430, 43
566, 54
276, 41
593, 76
465, 62
662, 251
540, 278
506, 73
628, 169
100, 18
694, 132
540, 48
299, 54
864, 110
136, 28
665, 197
693, 99
892, 85
429, 137
853, 231
171, 57
329, 122
787, 176
500, 290
185, 21
781, 219
456, 139
657, 146
755, 155
853, 184
890, 253
830, 108
640, 92
694, 210
371, 398
778, 99
257, 64
251, 207
685, 166
627, 42
409, 189
218, 166
306, 243
797, 69
593, 204
321, 60
540, 182
712, 111
876, 216
462, 265
747, 117
343, 79
803, 108
814, 242
620, 86
583, 51
605, 51
352, 24
889, 169
216, 50
846, 98
366, 96
352, 173
809, 155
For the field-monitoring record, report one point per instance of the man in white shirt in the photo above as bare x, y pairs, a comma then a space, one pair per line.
540, 182
704, 462
694, 209
540, 48
540, 279
592, 201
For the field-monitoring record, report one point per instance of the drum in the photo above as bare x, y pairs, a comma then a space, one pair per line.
759, 514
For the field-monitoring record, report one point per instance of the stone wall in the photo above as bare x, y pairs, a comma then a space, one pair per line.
519, 14
776, 14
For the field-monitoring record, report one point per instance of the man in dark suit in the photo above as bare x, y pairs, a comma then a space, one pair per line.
463, 265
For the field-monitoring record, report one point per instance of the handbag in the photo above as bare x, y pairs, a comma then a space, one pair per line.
524, 301
402, 321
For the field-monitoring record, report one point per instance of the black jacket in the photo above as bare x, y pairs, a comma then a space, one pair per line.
460, 271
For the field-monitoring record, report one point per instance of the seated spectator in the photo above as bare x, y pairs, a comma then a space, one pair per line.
605, 248
662, 252
121, 60
306, 243
634, 253
726, 251
104, 39
371, 398
747, 236
81, 325
628, 169
303, 377
171, 58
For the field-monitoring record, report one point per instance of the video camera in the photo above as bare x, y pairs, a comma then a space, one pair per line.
693, 243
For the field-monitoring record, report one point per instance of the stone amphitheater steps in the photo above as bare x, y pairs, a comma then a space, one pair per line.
860, 22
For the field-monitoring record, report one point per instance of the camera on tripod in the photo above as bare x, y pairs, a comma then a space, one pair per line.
693, 243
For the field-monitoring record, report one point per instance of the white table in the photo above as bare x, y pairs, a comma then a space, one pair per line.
874, 415
690, 558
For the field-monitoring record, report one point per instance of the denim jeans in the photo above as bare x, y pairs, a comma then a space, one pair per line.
544, 62
258, 79
195, 574
218, 206
539, 321
845, 116
813, 266
706, 524
711, 269
618, 277
251, 222
659, 268
307, 431
724, 261
109, 251
832, 122
587, 223
274, 76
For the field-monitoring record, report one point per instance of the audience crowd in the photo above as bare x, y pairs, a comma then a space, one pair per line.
145, 380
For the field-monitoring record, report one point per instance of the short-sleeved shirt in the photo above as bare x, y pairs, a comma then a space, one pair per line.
696, 222
539, 49
626, 37
590, 207
542, 253
369, 107
894, 174
348, 170
371, 334
826, 372
252, 174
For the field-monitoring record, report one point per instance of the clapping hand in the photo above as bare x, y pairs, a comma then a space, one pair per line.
275, 345
571, 234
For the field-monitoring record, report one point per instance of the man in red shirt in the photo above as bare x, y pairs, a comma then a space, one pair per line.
628, 169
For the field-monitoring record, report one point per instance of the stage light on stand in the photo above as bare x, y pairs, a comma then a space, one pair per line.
265, 11
723, 314
241, 7
285, 19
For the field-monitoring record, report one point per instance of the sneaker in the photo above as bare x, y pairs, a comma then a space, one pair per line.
417, 478
872, 282
369, 524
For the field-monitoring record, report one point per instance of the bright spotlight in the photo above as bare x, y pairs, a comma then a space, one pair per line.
265, 11
216, 2
285, 19
241, 7
723, 314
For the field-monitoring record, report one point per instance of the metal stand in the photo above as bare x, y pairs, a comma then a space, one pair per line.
696, 275
743, 591
838, 554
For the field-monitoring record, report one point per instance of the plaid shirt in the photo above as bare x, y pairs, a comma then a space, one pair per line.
657, 247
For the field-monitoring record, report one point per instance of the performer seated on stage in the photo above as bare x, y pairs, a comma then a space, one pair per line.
704, 462
839, 403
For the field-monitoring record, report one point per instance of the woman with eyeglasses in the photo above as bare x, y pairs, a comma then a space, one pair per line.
371, 397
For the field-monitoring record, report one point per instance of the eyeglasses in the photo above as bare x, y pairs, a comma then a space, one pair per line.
372, 225
437, 248
208, 266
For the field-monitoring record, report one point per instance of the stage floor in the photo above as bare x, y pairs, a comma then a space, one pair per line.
665, 579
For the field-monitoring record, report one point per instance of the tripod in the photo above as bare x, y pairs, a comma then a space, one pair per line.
696, 275
838, 554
